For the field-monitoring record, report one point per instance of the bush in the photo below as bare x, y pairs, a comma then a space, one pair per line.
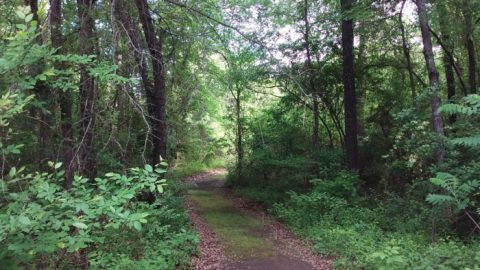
42, 222
343, 185
387, 235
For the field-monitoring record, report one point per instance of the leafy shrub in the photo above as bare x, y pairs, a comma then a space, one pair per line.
268, 195
42, 219
389, 234
308, 208
343, 185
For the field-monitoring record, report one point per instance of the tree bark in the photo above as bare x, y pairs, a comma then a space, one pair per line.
406, 53
447, 61
470, 46
350, 103
156, 98
361, 90
65, 97
87, 89
450, 55
129, 26
432, 75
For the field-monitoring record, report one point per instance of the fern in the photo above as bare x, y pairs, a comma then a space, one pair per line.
470, 106
454, 109
472, 141
438, 199
459, 194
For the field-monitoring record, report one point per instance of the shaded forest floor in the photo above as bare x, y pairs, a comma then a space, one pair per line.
237, 234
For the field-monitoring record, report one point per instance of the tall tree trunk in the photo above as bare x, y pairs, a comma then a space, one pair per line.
406, 54
65, 97
470, 46
362, 85
351, 140
129, 26
239, 146
156, 99
432, 75
447, 61
311, 75
87, 89
42, 93
449, 54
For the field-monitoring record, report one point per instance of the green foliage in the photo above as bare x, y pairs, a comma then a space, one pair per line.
387, 235
43, 220
268, 195
343, 185
459, 186
460, 195
21, 52
469, 107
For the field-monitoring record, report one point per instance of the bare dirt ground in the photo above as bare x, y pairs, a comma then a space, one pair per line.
268, 246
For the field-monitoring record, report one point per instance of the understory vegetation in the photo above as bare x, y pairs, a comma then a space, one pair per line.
400, 212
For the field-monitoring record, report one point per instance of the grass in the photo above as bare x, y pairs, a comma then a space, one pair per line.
241, 235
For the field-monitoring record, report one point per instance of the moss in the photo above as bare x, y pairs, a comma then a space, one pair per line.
242, 235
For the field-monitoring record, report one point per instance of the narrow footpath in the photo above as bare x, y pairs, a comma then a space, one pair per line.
237, 235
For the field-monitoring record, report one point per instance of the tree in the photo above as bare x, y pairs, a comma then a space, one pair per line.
42, 93
156, 98
88, 92
432, 75
351, 140
311, 77
448, 63
406, 52
65, 99
470, 46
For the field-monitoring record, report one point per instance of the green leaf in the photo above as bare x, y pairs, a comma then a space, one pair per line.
24, 220
28, 18
137, 225
58, 165
148, 168
471, 141
21, 26
163, 163
42, 77
438, 199
13, 172
159, 170
80, 225
20, 14
436, 181
160, 188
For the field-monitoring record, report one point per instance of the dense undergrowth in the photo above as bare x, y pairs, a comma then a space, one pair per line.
109, 223
386, 233
401, 211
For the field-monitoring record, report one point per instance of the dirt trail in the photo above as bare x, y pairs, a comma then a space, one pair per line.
236, 234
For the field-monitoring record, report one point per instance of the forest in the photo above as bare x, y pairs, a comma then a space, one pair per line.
239, 134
